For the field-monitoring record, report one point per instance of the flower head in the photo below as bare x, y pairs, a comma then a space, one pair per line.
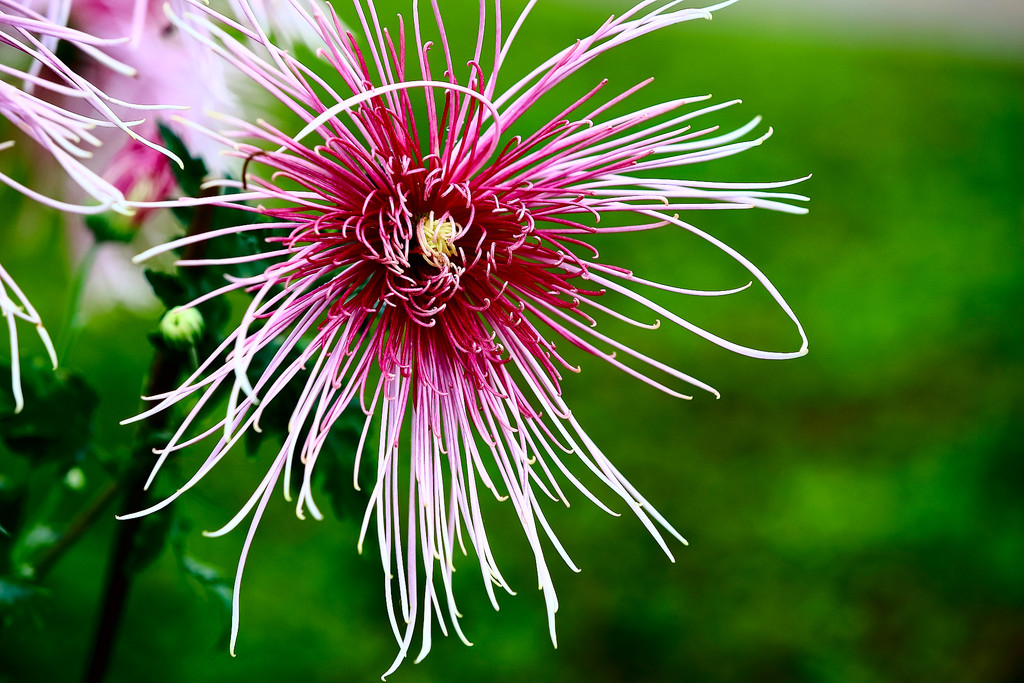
64, 131
140, 34
32, 79
428, 254
170, 67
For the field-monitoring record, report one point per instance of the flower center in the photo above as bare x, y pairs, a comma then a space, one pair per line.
436, 238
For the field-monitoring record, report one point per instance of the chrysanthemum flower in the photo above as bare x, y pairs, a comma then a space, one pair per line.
29, 89
156, 44
140, 172
428, 255
32, 79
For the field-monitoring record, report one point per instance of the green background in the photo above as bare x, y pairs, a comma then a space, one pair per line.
854, 515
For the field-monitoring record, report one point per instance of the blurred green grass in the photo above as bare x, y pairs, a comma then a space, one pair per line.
855, 515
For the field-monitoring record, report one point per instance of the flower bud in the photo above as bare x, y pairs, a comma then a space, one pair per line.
182, 327
75, 479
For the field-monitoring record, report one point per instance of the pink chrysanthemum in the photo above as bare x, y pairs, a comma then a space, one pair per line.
156, 43
28, 94
32, 79
139, 172
426, 259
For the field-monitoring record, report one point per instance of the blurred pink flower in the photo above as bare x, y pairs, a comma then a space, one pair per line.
171, 68
32, 79
429, 248
197, 85
66, 131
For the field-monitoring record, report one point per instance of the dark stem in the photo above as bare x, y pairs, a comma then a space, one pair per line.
163, 373
163, 376
78, 526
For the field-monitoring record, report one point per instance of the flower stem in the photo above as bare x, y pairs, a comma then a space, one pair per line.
72, 318
78, 526
163, 376
163, 373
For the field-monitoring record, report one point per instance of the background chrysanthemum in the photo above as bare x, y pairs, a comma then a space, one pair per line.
53, 105
90, 82
142, 173
429, 254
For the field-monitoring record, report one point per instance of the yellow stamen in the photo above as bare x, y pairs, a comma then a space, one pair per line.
437, 239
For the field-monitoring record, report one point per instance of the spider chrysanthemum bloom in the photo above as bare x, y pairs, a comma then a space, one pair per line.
428, 255
43, 98
53, 104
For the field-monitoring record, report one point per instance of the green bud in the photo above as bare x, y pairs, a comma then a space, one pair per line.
75, 479
112, 227
182, 327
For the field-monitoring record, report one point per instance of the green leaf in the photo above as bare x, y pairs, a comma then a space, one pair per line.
16, 598
151, 539
57, 420
334, 469
169, 288
190, 176
210, 580
232, 245
336, 462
